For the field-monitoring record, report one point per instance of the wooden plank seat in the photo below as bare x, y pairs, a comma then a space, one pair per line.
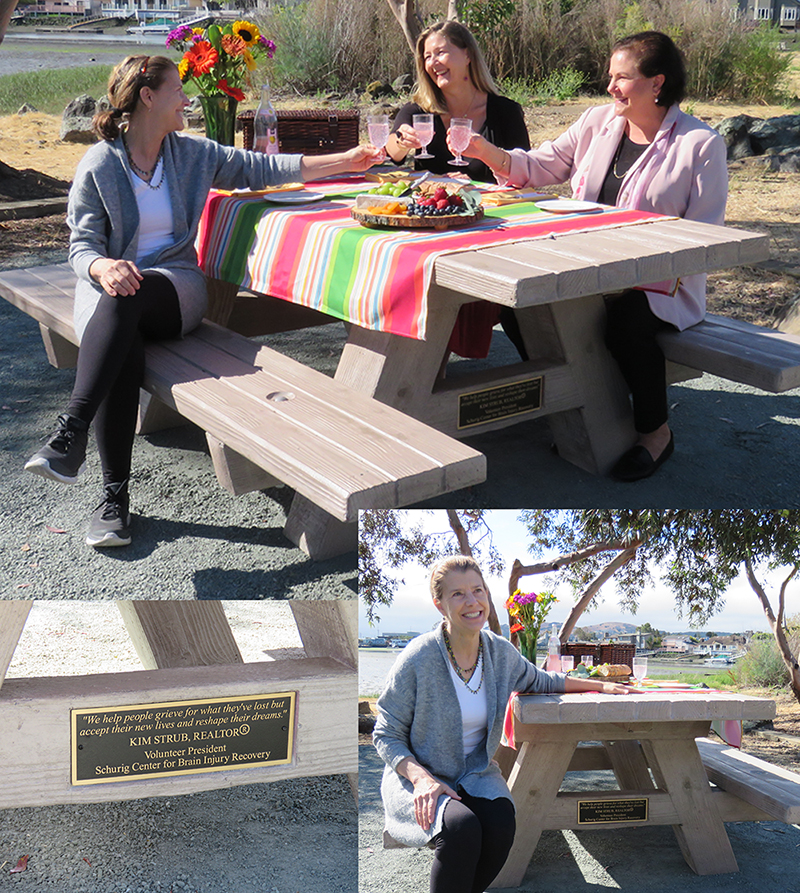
268, 417
738, 351
770, 788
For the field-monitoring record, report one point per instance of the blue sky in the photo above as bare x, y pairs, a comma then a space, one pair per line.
412, 608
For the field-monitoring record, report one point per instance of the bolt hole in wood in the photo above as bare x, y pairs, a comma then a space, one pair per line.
280, 396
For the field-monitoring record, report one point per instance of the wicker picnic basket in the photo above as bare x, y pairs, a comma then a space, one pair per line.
617, 654
577, 651
308, 131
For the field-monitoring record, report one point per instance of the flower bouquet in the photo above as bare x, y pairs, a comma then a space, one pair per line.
219, 60
527, 612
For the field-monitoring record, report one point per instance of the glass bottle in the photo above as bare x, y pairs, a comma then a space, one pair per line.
265, 124
554, 650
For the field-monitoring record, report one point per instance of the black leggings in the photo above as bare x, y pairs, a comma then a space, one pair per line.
473, 844
111, 366
631, 339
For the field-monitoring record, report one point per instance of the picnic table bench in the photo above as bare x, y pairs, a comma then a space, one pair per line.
774, 791
269, 419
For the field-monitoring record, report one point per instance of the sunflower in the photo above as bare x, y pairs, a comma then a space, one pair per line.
247, 31
202, 57
249, 61
233, 45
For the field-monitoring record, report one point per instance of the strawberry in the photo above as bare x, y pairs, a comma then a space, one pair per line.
442, 203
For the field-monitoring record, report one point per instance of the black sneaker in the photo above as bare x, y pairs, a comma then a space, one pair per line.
110, 524
63, 457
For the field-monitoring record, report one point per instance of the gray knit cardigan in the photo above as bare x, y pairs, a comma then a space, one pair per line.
104, 218
419, 717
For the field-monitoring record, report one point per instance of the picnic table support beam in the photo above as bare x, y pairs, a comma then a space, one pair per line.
13, 614
61, 353
180, 634
236, 474
318, 533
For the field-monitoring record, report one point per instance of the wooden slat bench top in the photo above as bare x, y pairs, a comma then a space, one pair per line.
739, 351
771, 788
339, 448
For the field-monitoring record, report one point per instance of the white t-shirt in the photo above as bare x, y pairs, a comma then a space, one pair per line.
156, 230
474, 708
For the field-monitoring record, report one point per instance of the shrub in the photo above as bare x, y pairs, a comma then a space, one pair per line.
763, 665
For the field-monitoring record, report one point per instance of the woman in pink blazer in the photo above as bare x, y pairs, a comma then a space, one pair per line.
640, 152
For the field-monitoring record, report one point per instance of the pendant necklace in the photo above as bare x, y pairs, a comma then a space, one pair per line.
146, 176
462, 673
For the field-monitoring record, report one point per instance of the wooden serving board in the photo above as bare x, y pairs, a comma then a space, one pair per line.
446, 221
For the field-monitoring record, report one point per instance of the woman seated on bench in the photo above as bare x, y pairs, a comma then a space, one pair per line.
640, 152
134, 210
440, 718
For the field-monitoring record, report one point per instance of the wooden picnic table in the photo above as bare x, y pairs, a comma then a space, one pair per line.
555, 283
648, 740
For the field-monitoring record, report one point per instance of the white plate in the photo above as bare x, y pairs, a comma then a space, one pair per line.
294, 198
567, 206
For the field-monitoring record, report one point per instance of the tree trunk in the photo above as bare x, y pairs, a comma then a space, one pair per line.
6, 10
405, 11
465, 549
776, 624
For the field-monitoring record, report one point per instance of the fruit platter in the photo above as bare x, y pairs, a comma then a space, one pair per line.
433, 205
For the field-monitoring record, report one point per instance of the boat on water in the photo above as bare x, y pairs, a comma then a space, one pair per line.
164, 26
718, 662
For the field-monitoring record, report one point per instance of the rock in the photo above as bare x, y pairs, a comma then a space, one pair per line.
76, 122
403, 84
26, 108
366, 724
745, 136
377, 89
786, 161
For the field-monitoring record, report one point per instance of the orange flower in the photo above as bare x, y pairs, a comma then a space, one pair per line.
517, 628
202, 57
233, 45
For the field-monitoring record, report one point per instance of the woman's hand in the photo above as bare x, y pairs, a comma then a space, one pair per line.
495, 158
117, 277
427, 790
575, 683
477, 148
361, 158
402, 141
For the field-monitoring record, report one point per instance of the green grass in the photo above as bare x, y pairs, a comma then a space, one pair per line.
49, 90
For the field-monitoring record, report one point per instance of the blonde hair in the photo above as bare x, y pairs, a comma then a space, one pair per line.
427, 94
442, 568
124, 84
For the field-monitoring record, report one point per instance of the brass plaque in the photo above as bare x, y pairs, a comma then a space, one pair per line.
600, 812
499, 402
181, 737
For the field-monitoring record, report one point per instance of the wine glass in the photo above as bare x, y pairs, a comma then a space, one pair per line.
460, 135
423, 127
639, 668
567, 663
378, 127
587, 660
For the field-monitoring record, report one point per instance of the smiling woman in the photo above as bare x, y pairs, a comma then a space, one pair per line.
439, 725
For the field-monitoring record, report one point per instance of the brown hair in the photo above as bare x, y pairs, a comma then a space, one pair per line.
427, 94
442, 568
655, 53
124, 84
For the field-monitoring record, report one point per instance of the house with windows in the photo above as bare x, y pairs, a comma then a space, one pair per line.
783, 13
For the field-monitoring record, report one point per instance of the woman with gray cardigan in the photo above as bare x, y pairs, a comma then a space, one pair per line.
134, 209
440, 718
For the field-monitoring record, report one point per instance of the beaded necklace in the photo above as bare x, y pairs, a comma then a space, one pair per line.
146, 176
466, 675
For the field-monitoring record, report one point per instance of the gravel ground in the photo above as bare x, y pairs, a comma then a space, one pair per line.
249, 838
642, 860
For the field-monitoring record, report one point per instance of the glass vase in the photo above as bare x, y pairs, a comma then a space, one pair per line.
219, 111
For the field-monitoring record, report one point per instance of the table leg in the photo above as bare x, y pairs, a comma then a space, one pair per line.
13, 614
317, 532
630, 765
595, 435
534, 783
678, 769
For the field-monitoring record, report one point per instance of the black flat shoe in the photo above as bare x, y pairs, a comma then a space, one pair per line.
637, 463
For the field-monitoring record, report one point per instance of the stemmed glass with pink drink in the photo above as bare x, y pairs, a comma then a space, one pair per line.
378, 127
460, 134
423, 127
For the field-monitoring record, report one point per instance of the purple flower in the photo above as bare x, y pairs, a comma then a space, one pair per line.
526, 598
178, 35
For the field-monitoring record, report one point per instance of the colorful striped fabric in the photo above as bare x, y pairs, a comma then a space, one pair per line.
318, 256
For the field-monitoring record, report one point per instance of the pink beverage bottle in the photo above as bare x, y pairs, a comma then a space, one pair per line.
265, 124
554, 651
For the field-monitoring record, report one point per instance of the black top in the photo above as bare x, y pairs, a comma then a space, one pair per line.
504, 127
623, 160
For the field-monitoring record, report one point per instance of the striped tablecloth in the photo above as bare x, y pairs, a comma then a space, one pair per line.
318, 256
